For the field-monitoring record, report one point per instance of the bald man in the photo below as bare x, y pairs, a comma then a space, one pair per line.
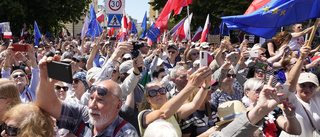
100, 118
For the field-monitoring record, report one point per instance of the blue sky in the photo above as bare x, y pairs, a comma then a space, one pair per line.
135, 8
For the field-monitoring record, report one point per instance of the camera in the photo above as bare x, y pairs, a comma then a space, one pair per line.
136, 46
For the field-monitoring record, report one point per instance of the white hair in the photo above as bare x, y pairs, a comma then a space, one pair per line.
253, 84
167, 129
174, 71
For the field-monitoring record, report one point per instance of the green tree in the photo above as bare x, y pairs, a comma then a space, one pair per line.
201, 8
47, 13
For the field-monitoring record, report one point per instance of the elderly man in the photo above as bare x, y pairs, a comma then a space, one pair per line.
179, 78
173, 58
100, 118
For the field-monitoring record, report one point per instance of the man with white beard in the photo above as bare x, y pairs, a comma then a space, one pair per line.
99, 119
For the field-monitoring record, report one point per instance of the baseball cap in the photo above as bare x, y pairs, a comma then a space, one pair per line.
308, 77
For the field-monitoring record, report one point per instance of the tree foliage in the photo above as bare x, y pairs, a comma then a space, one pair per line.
47, 13
201, 8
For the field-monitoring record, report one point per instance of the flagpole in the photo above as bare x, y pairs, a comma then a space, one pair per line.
188, 22
308, 27
315, 26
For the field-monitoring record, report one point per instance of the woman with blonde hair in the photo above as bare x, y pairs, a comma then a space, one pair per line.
9, 96
155, 106
27, 120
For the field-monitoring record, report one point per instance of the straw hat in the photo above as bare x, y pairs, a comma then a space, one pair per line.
230, 110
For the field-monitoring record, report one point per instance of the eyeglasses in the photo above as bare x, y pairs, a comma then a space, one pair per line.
10, 130
17, 75
305, 70
59, 88
76, 80
171, 52
231, 75
102, 91
153, 92
260, 71
196, 53
58, 53
310, 86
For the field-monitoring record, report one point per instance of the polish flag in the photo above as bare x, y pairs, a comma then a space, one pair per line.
164, 15
124, 24
197, 35
205, 31
184, 28
164, 37
21, 36
7, 35
256, 4
85, 27
129, 23
100, 16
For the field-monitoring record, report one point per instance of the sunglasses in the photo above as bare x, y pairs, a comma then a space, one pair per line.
114, 71
125, 59
231, 75
260, 71
310, 86
171, 52
17, 75
153, 92
102, 91
305, 70
197, 53
10, 130
76, 80
299, 27
59, 88
184, 42
58, 53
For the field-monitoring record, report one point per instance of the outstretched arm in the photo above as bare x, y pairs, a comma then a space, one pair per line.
46, 97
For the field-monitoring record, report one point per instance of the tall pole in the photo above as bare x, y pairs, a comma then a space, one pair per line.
315, 26
189, 22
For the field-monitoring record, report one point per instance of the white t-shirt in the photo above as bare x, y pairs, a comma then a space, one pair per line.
296, 43
313, 109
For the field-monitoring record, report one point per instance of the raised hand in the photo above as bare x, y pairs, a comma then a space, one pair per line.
199, 76
121, 48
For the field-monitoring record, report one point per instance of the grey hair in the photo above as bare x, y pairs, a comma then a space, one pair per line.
173, 73
167, 129
253, 84
118, 91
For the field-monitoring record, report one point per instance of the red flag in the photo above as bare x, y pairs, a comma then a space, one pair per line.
164, 15
124, 25
256, 4
100, 16
111, 31
205, 30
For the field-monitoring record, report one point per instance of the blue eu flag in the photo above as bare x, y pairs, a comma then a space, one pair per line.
37, 34
266, 21
133, 28
144, 26
153, 33
94, 28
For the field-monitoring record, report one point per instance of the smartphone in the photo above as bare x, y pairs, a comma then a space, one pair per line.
20, 47
60, 71
253, 54
233, 58
203, 58
227, 38
283, 89
113, 38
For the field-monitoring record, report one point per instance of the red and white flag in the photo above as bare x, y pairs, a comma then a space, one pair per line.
197, 35
6, 30
205, 31
179, 4
184, 28
100, 16
85, 27
129, 24
164, 15
124, 25
111, 31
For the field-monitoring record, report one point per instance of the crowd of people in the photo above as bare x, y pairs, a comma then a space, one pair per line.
132, 89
